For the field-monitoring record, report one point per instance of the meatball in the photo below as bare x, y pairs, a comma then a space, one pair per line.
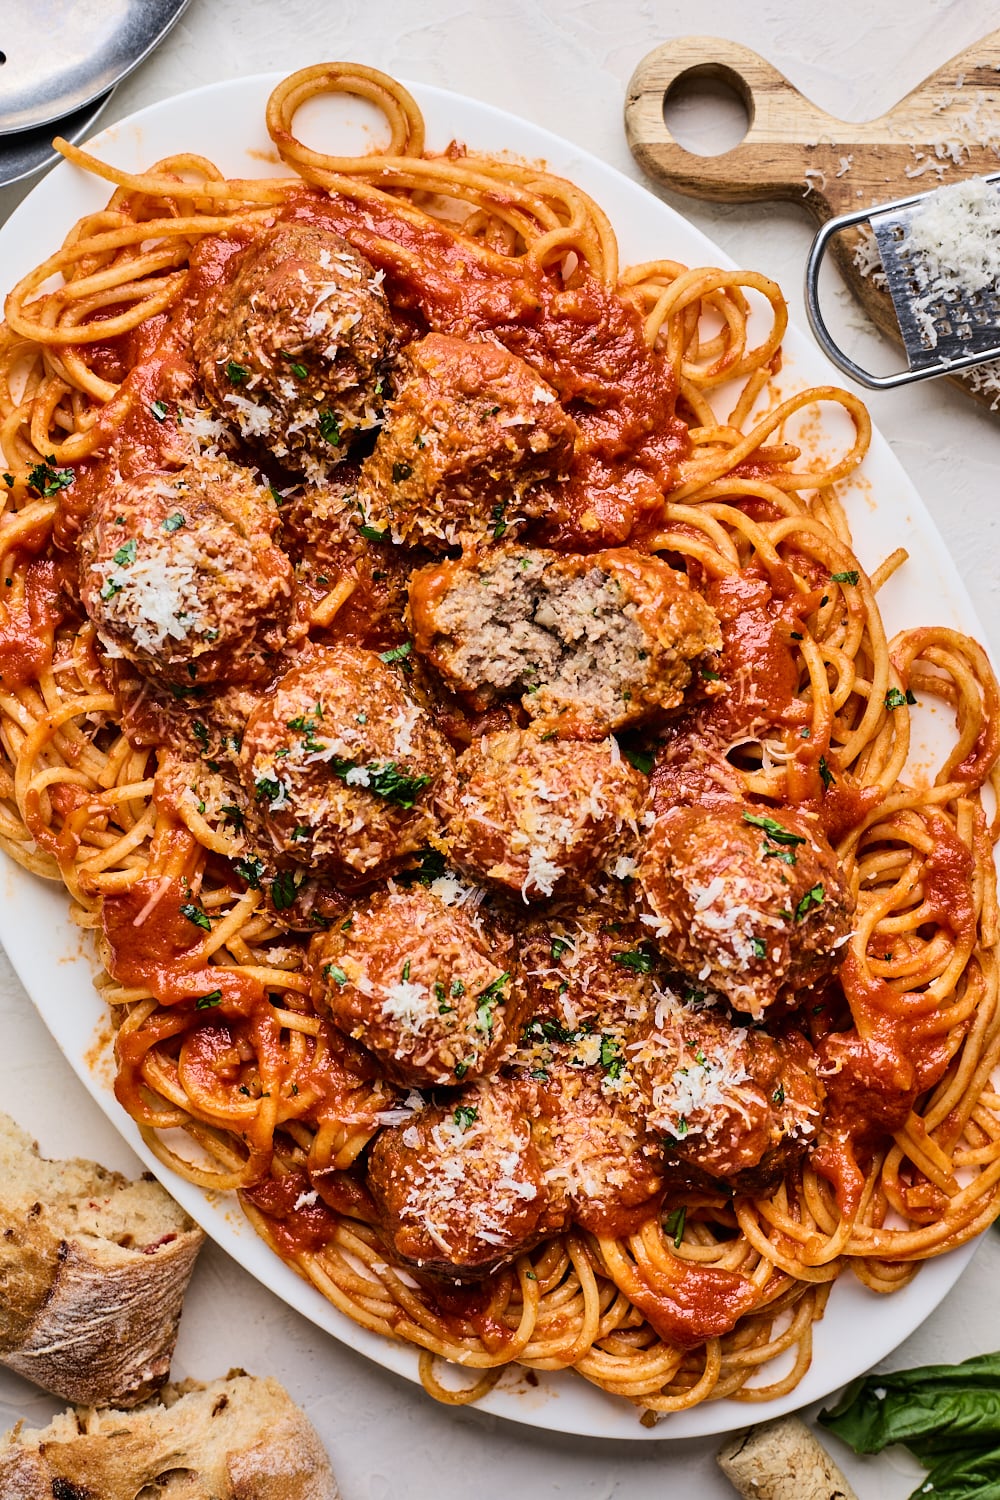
297, 351
732, 1102
342, 767
589, 644
427, 984
461, 1189
535, 815
596, 1149
470, 434
585, 971
589, 981
180, 574
751, 901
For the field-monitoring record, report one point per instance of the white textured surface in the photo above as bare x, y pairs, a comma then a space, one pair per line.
563, 64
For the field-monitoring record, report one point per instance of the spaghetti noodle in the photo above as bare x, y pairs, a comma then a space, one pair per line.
123, 779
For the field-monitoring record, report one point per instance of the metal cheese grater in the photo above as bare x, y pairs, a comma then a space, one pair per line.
967, 328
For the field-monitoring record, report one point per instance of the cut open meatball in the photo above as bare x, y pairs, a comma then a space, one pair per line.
588, 644
460, 1189
747, 899
341, 767
730, 1101
296, 352
180, 574
537, 816
427, 982
470, 434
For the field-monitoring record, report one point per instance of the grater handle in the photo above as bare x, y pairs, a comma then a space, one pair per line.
817, 322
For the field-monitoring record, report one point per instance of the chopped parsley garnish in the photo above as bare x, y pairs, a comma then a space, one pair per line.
205, 1002
232, 815
267, 787
559, 947
110, 589
430, 868
329, 428
826, 775
457, 989
175, 522
196, 915
461, 1068
300, 832
336, 973
397, 653
125, 556
372, 533
465, 1115
759, 947
200, 732
776, 832
778, 1097
787, 856
487, 1001
673, 1225
401, 472
895, 699
384, 780
298, 370
406, 972
611, 1057
250, 869
159, 411
641, 759
46, 481
8, 480
635, 959
813, 897
284, 889
709, 675
851, 576
235, 373
498, 519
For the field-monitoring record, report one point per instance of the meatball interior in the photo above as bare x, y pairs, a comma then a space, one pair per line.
341, 767
181, 576
461, 1189
752, 903
589, 644
418, 979
537, 816
297, 352
470, 434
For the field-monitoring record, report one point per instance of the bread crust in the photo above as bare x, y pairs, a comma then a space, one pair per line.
240, 1438
89, 1305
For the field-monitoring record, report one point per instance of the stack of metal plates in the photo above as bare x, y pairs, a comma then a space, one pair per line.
60, 61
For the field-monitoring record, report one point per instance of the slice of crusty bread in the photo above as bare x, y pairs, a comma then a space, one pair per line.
235, 1439
93, 1270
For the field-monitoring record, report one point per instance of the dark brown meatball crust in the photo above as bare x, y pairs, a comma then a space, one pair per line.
589, 644
181, 577
427, 981
341, 767
747, 900
470, 434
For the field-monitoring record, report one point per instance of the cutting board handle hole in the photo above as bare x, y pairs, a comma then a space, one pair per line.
708, 109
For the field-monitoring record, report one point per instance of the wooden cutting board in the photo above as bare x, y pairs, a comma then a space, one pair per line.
945, 130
